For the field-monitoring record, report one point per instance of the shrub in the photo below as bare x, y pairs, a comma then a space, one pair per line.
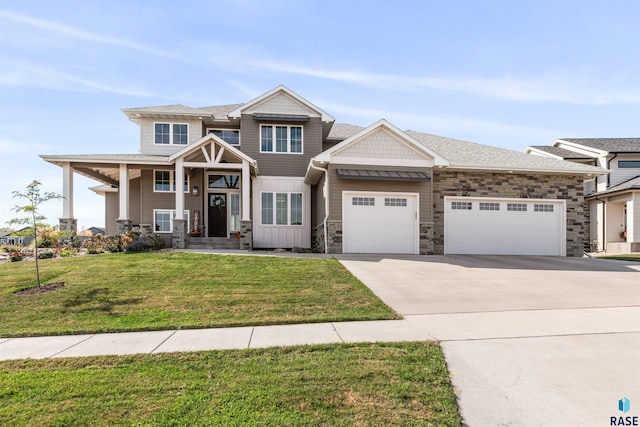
15, 256
67, 251
112, 244
156, 241
140, 245
95, 251
46, 254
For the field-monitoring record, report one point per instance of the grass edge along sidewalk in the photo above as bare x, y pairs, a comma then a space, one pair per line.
175, 290
332, 385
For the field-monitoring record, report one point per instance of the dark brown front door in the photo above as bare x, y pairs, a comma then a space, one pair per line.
217, 215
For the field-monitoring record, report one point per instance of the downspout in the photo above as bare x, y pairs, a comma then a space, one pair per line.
604, 222
326, 204
609, 167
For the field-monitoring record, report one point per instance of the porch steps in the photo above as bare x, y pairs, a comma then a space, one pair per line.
212, 243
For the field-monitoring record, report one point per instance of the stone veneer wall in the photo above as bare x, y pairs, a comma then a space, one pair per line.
533, 186
246, 235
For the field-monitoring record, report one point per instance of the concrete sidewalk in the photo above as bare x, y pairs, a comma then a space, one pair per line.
442, 327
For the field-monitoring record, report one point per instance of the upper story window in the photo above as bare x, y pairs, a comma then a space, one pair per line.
171, 133
164, 181
280, 139
232, 136
629, 164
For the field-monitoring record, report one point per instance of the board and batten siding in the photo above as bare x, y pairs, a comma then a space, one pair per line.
338, 185
281, 164
281, 236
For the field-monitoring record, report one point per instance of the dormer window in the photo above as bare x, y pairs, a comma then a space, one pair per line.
171, 133
232, 136
280, 139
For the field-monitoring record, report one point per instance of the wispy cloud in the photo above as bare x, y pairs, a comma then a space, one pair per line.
84, 35
568, 89
21, 73
448, 124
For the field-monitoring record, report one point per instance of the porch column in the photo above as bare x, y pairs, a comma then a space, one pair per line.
67, 222
123, 222
633, 226
180, 225
179, 178
246, 189
246, 227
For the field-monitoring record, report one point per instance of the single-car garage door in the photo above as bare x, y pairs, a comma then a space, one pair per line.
504, 226
374, 222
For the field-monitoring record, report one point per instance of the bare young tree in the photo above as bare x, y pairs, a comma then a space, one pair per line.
31, 215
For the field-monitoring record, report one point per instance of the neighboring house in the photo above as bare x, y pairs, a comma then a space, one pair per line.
91, 231
278, 172
613, 199
16, 238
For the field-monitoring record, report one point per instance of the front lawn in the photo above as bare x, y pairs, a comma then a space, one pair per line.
171, 290
329, 385
626, 257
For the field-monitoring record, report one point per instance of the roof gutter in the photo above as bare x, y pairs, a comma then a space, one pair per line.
609, 167
326, 203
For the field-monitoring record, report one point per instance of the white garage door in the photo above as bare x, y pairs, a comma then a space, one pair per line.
504, 226
375, 222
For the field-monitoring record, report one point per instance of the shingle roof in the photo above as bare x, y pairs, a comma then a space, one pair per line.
632, 184
612, 145
220, 112
169, 109
466, 154
342, 131
561, 152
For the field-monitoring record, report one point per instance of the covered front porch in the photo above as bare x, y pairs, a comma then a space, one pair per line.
142, 193
615, 222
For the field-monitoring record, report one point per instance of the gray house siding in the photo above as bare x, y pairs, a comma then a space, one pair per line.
338, 185
535, 186
274, 164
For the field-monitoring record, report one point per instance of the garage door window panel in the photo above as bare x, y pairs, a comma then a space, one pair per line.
542, 208
489, 206
363, 201
462, 206
517, 207
390, 201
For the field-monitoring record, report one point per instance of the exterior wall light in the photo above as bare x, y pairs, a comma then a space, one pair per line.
194, 191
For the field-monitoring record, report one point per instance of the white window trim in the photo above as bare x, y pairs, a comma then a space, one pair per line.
274, 209
273, 139
235, 130
172, 178
172, 214
170, 133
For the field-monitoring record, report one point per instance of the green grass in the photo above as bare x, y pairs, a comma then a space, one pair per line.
331, 385
171, 290
626, 257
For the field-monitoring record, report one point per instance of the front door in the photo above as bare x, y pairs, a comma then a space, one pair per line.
217, 215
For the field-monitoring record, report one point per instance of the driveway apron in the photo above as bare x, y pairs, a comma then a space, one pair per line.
529, 341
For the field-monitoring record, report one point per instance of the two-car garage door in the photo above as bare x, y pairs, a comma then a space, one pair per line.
504, 226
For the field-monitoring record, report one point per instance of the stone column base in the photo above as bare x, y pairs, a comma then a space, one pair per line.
334, 234
69, 224
123, 225
179, 240
246, 235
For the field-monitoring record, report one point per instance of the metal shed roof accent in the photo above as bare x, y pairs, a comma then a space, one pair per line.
383, 175
271, 117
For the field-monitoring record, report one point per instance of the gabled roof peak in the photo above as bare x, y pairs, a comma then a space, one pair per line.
281, 89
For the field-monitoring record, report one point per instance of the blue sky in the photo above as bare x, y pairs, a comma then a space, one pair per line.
505, 73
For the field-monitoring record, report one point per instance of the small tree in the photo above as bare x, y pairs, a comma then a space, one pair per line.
32, 216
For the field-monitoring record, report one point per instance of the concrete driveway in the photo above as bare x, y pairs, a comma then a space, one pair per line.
529, 341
